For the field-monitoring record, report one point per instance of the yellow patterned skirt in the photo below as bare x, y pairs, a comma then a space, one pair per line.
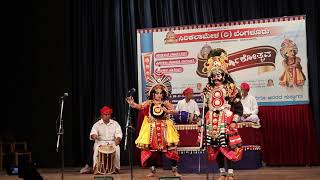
157, 135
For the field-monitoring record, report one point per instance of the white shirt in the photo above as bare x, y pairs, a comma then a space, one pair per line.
106, 132
191, 106
250, 105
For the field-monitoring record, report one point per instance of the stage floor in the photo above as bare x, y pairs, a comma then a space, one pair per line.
264, 173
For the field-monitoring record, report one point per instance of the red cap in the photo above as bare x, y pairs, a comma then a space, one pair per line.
187, 91
245, 86
105, 110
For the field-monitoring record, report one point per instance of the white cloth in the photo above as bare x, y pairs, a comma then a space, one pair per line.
107, 133
191, 106
250, 106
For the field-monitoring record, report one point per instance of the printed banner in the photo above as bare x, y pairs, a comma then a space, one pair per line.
269, 54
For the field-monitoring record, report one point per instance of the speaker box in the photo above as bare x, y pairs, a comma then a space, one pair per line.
103, 178
169, 178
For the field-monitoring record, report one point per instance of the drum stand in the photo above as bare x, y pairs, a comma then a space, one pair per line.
60, 136
131, 129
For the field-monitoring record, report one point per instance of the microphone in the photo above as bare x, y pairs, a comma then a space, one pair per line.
131, 92
64, 95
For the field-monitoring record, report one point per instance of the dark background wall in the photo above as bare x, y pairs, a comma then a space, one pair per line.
87, 48
35, 74
51, 77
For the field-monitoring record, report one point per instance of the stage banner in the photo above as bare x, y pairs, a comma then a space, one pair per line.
269, 54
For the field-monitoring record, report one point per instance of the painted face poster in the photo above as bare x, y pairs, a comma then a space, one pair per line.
269, 54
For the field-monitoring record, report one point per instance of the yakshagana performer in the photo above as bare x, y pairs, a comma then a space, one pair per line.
157, 133
223, 102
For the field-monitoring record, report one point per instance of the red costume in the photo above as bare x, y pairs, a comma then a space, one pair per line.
224, 109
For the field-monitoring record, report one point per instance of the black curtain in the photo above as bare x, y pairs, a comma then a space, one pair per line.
88, 49
35, 73
102, 50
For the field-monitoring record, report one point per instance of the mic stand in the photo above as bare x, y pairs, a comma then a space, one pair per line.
204, 126
131, 129
60, 136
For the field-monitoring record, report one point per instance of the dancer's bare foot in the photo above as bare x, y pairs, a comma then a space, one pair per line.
116, 171
176, 174
222, 178
230, 178
151, 174
152, 171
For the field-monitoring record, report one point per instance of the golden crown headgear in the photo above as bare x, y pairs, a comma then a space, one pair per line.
287, 45
217, 61
158, 80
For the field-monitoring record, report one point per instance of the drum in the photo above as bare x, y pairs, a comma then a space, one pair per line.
182, 117
105, 161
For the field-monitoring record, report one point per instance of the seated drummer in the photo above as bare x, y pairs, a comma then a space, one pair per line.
106, 131
250, 105
189, 105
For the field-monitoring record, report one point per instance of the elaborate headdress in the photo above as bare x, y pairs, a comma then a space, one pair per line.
158, 80
217, 61
287, 45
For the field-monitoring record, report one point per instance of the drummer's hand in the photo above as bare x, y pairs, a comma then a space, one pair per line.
117, 141
198, 119
94, 136
191, 116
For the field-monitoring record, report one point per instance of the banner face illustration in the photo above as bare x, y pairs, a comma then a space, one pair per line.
269, 54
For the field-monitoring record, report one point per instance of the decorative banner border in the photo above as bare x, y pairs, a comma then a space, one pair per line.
222, 24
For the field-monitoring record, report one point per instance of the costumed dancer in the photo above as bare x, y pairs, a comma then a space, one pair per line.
157, 133
224, 111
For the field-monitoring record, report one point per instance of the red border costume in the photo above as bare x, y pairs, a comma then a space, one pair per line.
157, 133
